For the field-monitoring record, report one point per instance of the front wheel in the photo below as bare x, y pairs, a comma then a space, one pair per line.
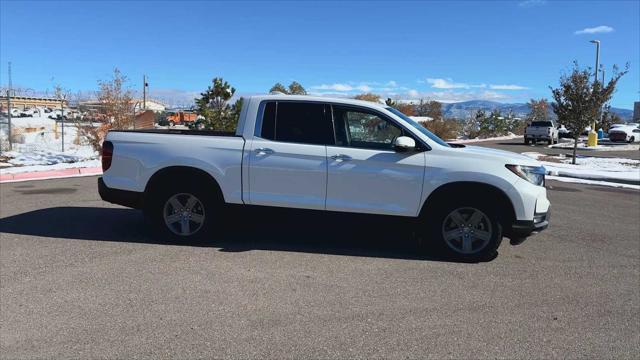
632, 139
466, 231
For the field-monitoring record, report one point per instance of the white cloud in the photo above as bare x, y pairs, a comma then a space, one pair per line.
336, 87
456, 96
357, 87
531, 3
507, 87
439, 83
595, 30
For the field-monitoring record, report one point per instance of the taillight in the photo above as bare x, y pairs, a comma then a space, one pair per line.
107, 155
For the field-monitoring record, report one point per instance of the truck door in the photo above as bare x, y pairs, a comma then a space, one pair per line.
288, 159
365, 173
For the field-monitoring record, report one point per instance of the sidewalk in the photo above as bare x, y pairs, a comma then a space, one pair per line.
50, 174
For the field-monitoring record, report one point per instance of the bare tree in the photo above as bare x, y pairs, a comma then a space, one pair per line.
115, 107
578, 102
368, 97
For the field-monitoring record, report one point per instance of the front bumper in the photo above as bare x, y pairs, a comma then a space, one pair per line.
524, 228
126, 198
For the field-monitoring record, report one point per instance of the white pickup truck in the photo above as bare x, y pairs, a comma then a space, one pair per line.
541, 130
338, 155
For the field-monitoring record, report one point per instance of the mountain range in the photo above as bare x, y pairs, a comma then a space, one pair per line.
465, 109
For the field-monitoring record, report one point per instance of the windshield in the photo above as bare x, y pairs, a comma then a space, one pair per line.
419, 127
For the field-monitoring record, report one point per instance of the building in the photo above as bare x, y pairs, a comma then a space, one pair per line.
25, 102
636, 111
153, 105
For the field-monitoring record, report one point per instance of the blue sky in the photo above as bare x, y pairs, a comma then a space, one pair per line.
506, 51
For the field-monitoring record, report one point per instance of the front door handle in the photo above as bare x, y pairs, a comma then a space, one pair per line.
341, 157
264, 151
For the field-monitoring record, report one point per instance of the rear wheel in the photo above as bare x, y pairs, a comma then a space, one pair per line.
184, 212
526, 141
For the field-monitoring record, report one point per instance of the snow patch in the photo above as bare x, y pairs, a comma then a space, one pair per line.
591, 168
510, 136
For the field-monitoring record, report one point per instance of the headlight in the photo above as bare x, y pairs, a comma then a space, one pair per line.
533, 174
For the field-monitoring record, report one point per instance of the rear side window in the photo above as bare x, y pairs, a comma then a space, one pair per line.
269, 122
306, 123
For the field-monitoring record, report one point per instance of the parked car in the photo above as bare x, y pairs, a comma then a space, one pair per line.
563, 132
628, 133
29, 112
339, 155
541, 130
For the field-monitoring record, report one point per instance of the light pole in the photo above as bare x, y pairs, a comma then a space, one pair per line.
593, 136
597, 42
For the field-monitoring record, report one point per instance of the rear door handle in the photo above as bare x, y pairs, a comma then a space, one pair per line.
264, 151
341, 157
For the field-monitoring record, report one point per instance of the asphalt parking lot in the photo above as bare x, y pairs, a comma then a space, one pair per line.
81, 278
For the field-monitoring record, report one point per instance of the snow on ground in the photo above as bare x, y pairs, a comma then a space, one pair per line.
511, 136
38, 146
57, 166
593, 182
591, 168
603, 145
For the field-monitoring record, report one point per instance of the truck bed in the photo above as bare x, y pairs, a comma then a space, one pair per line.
181, 132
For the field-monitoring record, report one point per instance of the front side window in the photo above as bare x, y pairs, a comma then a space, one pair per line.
363, 129
297, 122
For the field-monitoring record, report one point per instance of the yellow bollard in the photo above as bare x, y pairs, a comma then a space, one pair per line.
592, 141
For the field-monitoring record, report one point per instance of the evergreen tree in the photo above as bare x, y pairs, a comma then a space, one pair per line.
296, 89
213, 106
279, 88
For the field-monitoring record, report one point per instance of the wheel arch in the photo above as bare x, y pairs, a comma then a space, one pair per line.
477, 190
177, 174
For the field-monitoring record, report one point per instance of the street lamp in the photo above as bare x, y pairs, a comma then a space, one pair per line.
593, 136
597, 42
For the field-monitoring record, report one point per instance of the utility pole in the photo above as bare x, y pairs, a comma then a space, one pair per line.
62, 107
9, 109
144, 92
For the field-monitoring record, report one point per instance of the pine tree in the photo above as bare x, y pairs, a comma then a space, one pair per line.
296, 89
279, 88
213, 106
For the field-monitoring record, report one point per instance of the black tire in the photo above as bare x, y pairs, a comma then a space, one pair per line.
632, 139
526, 141
550, 141
433, 227
209, 205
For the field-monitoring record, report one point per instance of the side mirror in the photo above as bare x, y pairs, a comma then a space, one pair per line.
404, 143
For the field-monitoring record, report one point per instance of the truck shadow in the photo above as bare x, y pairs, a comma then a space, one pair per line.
246, 230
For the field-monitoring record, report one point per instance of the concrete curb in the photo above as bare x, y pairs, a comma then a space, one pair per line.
50, 174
